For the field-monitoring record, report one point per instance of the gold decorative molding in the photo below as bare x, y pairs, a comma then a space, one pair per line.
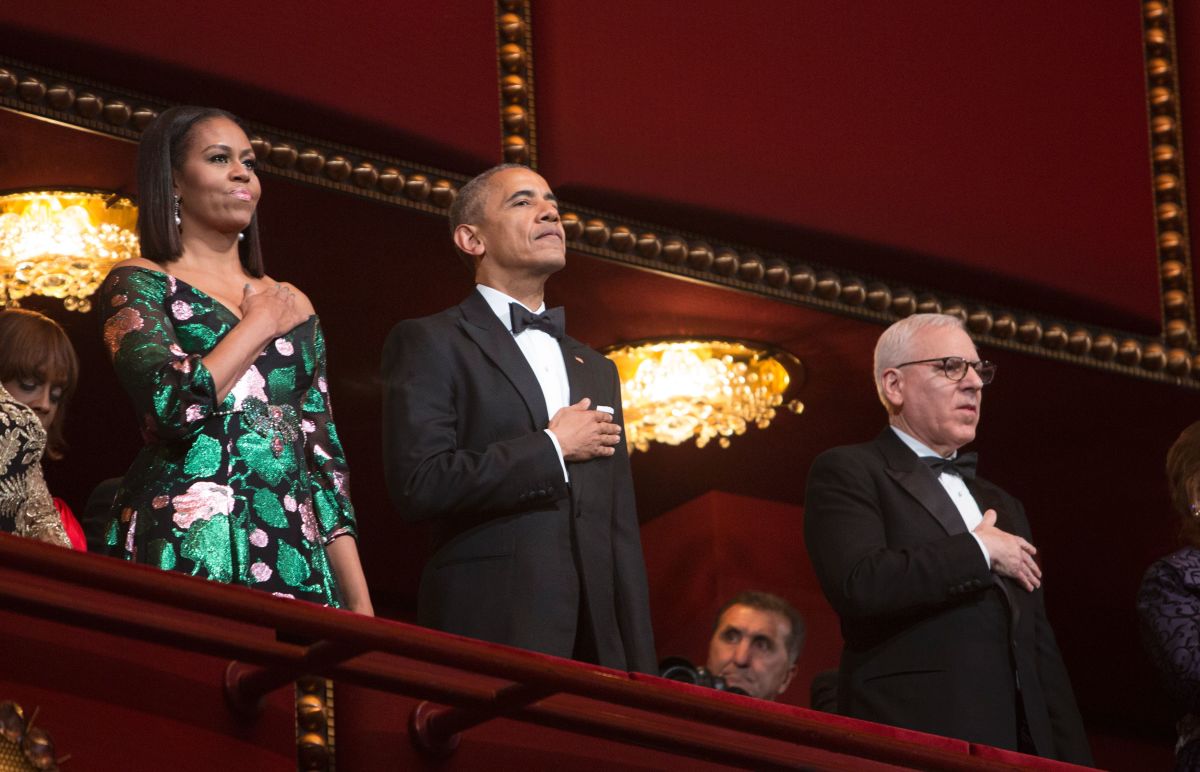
1166, 161
34, 91
874, 299
24, 747
316, 749
73, 101
515, 56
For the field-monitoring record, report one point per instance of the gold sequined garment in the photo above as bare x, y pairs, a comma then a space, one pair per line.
26, 508
248, 489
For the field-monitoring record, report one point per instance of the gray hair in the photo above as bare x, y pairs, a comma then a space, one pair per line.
468, 203
895, 343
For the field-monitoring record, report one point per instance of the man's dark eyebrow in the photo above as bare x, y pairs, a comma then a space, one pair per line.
530, 194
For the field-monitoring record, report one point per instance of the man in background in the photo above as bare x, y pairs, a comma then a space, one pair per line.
755, 643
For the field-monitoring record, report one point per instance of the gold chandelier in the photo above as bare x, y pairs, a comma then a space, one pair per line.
679, 390
61, 243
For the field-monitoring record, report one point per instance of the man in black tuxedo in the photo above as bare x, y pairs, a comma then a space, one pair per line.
931, 568
506, 434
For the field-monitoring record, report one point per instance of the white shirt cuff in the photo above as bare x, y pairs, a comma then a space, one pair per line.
562, 462
986, 555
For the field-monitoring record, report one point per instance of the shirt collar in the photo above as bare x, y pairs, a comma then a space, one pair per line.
916, 446
498, 302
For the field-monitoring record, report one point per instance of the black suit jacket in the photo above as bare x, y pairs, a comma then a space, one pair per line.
934, 640
520, 555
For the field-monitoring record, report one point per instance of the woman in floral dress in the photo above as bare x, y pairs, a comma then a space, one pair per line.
242, 478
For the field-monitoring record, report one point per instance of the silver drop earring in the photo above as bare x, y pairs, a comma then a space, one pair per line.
178, 219
241, 236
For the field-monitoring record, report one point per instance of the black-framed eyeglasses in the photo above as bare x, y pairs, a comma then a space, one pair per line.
955, 368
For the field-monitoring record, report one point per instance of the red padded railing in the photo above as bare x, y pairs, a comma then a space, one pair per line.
165, 608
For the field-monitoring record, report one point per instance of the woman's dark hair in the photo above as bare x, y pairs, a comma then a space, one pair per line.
1183, 473
162, 149
35, 347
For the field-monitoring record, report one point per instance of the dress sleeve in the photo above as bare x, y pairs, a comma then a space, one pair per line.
172, 391
1168, 605
23, 493
323, 452
40, 519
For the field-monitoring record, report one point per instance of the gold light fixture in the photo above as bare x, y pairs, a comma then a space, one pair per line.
61, 243
679, 390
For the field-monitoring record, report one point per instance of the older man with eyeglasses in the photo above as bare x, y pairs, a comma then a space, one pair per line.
932, 569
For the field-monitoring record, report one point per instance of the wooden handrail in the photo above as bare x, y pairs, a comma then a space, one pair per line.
44, 581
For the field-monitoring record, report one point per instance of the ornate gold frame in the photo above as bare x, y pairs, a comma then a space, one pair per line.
515, 55
1171, 357
1166, 158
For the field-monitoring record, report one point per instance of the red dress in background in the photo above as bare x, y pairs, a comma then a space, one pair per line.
71, 525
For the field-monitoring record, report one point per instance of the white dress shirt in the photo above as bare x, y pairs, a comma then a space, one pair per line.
544, 356
955, 487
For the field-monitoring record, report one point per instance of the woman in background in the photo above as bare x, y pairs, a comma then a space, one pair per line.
39, 369
25, 506
242, 478
1169, 600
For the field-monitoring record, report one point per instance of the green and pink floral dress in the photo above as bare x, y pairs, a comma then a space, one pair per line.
249, 490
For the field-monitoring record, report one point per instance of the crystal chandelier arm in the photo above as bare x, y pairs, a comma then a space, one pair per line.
61, 243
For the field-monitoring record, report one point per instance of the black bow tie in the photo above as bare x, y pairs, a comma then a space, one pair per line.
552, 321
962, 465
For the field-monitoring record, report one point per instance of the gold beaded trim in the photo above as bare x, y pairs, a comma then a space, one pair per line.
1166, 158
34, 91
515, 55
316, 748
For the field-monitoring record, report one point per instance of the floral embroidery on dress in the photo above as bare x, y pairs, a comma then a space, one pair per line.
234, 490
203, 501
119, 325
278, 424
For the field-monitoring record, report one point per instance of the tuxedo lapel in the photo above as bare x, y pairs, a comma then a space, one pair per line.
496, 342
906, 469
579, 375
987, 499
